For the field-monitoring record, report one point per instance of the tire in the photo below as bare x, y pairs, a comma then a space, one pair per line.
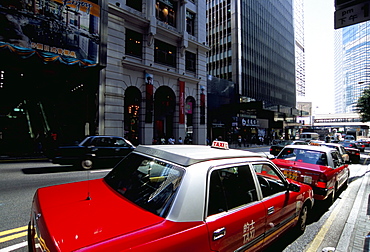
86, 164
302, 219
330, 200
30, 238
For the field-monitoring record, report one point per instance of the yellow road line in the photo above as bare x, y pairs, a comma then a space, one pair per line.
315, 244
12, 237
15, 233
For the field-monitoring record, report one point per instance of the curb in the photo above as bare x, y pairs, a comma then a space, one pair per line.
345, 238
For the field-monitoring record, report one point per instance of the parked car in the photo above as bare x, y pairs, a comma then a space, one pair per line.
349, 138
353, 144
276, 148
103, 151
365, 141
361, 146
172, 198
353, 152
318, 166
342, 151
308, 136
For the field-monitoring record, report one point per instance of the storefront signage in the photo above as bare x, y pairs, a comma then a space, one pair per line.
70, 28
337, 120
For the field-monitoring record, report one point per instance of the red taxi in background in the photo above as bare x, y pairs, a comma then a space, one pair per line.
321, 167
172, 198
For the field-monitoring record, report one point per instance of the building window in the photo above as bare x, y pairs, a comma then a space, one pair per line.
134, 41
190, 23
166, 11
135, 4
165, 53
190, 59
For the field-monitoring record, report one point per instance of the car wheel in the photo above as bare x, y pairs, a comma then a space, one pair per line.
302, 220
30, 238
86, 164
345, 185
330, 200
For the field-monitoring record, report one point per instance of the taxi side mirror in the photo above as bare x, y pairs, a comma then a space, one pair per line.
294, 187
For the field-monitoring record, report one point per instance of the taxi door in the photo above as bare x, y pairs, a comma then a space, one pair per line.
235, 217
340, 171
280, 204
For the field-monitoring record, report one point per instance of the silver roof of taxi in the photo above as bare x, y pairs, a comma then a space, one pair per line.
311, 147
186, 155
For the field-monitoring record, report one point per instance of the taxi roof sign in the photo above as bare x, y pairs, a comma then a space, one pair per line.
220, 145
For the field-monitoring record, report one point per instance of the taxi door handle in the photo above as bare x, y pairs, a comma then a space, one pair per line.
270, 210
219, 233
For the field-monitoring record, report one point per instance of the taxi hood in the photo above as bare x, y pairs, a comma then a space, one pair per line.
79, 214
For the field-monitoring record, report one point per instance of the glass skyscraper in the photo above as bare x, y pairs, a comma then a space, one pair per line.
252, 44
300, 63
352, 58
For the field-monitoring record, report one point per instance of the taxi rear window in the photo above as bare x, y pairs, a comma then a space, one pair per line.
305, 156
146, 182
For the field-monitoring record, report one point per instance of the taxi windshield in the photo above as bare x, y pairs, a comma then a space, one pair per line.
305, 156
147, 182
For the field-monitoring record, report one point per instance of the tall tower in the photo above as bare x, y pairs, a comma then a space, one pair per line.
252, 44
352, 58
300, 64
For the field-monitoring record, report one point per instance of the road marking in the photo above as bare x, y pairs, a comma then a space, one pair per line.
12, 237
12, 234
14, 247
14, 230
315, 244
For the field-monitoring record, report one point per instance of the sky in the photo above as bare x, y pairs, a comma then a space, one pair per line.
319, 52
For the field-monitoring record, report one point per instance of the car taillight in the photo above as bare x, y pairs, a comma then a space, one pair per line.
356, 153
321, 182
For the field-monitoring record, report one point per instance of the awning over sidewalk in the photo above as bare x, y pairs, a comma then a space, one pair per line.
47, 57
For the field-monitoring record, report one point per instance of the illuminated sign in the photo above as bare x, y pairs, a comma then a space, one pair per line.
69, 28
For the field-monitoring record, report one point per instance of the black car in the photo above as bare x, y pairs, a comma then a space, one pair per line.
276, 148
353, 151
103, 151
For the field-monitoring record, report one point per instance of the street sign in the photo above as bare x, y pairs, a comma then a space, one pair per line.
352, 15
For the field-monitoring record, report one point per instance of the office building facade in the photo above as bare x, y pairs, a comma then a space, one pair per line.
300, 59
351, 59
252, 44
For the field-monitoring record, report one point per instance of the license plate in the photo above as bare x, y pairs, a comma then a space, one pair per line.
307, 179
291, 174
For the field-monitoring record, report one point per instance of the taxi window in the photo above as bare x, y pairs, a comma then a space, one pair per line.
146, 182
337, 159
305, 156
230, 188
270, 181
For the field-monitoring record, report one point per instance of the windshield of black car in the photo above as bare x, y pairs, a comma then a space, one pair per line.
147, 182
303, 155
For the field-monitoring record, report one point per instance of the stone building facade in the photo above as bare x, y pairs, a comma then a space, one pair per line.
154, 82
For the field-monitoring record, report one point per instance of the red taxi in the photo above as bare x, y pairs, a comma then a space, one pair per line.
321, 167
172, 198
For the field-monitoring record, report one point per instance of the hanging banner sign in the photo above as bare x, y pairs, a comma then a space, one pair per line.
182, 102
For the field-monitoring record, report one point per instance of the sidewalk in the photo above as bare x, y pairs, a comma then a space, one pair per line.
356, 232
6, 159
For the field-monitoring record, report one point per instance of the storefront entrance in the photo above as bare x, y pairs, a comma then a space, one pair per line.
44, 104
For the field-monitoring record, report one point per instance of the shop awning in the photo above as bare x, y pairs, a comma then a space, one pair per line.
46, 56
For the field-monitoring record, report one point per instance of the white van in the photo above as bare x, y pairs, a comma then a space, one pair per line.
308, 136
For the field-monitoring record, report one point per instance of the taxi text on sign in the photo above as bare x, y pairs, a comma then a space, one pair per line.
352, 15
